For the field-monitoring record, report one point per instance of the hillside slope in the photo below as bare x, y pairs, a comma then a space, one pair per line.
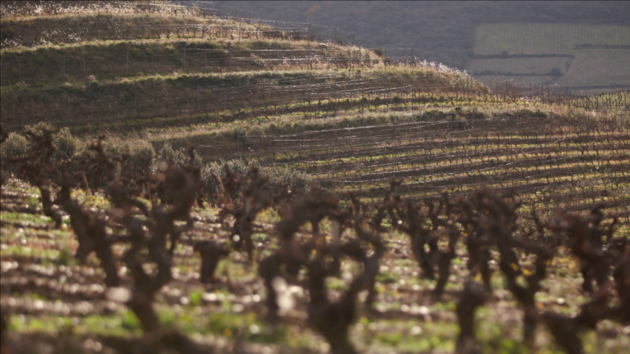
168, 68
434, 28
581, 58
304, 115
465, 34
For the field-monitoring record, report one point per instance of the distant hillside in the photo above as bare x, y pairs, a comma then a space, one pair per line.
96, 65
582, 58
524, 43
442, 28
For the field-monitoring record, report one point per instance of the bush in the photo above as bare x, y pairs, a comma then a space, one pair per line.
379, 51
555, 71
167, 152
278, 176
475, 114
141, 150
15, 146
37, 128
540, 114
65, 143
433, 115
458, 122
136, 149
237, 167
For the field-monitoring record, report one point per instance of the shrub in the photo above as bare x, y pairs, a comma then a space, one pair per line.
237, 167
65, 143
115, 147
475, 114
278, 176
458, 122
525, 113
141, 150
433, 115
39, 127
555, 71
540, 114
379, 51
15, 146
167, 152
136, 149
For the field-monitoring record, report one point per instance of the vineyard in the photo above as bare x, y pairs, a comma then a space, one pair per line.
192, 183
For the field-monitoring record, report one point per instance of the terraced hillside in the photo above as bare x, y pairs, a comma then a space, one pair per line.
341, 117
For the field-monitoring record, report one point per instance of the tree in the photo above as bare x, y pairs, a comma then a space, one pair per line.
555, 71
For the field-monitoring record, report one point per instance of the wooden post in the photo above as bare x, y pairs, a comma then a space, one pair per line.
350, 58
335, 139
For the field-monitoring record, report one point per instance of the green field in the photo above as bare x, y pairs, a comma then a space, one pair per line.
600, 69
593, 67
522, 81
535, 66
541, 38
